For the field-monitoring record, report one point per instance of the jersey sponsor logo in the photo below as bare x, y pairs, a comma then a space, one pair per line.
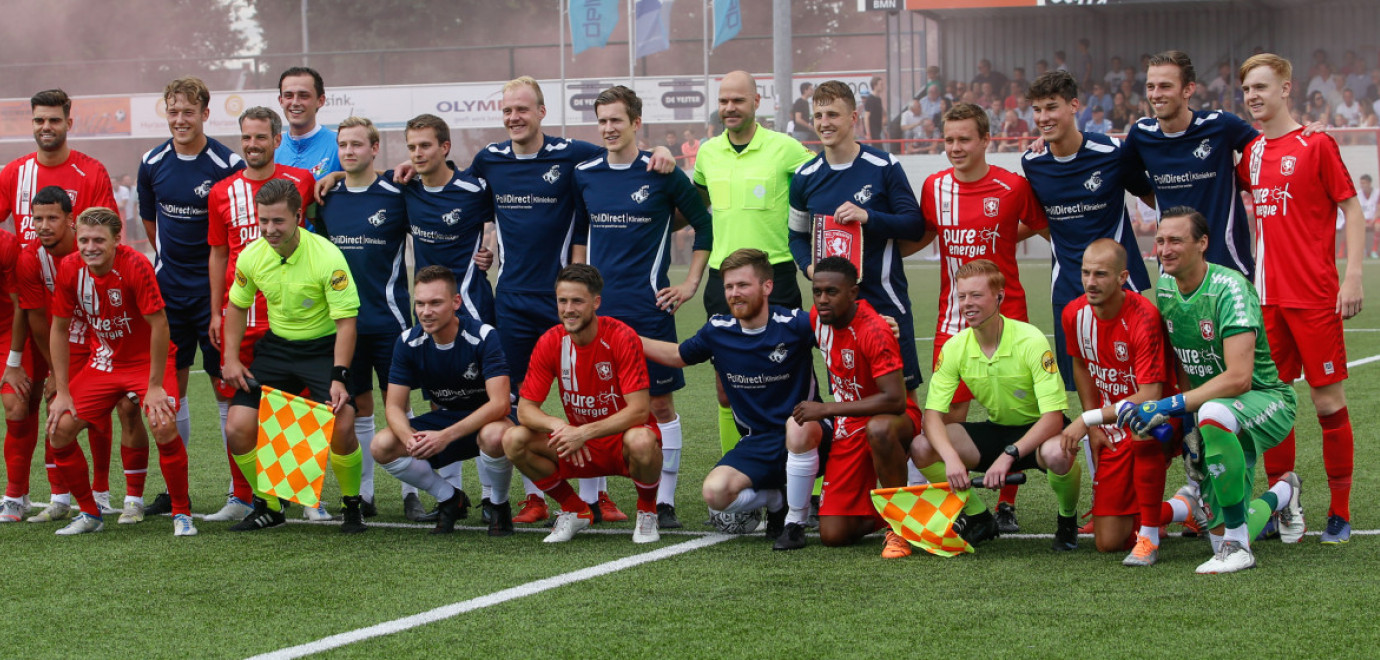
1047, 361
1286, 165
847, 355
552, 175
641, 194
116, 300
604, 369
778, 354
240, 279
379, 217
1206, 328
970, 242
837, 243
1204, 150
451, 217
339, 280
471, 372
1271, 201
1094, 182
204, 189
1122, 351
991, 206
864, 195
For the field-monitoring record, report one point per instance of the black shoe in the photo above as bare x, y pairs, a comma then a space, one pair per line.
776, 522
486, 510
162, 506
261, 517
977, 529
1066, 534
1006, 519
353, 516
464, 510
793, 538
448, 512
500, 518
370, 511
412, 508
812, 521
666, 517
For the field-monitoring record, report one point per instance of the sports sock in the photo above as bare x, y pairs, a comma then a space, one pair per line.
500, 471
172, 461
974, 505
1239, 533
98, 434
1224, 458
239, 485
419, 473
935, 473
250, 468
560, 490
1151, 532
800, 477
1148, 474
1065, 487
61, 498
1260, 509
1173, 511
21, 438
1216, 540
347, 469
1281, 458
57, 483
72, 463
671, 442
528, 487
486, 484
454, 473
135, 461
1339, 456
728, 430
751, 499
913, 476
364, 430
646, 495
184, 420
408, 489
1008, 494
589, 490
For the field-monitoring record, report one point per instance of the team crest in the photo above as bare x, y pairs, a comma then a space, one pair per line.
471, 372
116, 300
837, 243
604, 369
1286, 165
204, 189
1094, 182
451, 217
847, 354
642, 194
1206, 328
379, 217
990, 206
862, 196
1122, 352
1203, 151
552, 175
778, 354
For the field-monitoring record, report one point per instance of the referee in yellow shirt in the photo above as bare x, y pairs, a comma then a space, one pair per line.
312, 304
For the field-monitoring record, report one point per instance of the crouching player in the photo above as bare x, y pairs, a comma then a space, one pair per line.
604, 390
763, 357
874, 419
1011, 371
457, 361
113, 287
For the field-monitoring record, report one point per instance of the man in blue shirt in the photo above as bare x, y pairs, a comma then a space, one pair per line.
308, 145
629, 214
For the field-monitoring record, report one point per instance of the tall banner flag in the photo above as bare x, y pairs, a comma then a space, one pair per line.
728, 19
591, 23
924, 515
653, 26
294, 445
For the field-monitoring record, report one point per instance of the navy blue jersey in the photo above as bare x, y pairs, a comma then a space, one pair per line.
534, 204
316, 152
876, 182
172, 193
447, 225
628, 213
765, 372
453, 375
370, 227
1084, 196
1197, 168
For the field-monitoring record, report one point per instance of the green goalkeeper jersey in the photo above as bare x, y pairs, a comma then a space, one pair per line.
1225, 304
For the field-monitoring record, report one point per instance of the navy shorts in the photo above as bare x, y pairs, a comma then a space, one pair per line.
522, 319
1061, 353
910, 359
463, 448
188, 319
663, 379
763, 458
373, 358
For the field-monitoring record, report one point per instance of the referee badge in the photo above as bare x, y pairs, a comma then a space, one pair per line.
1047, 361
240, 279
339, 280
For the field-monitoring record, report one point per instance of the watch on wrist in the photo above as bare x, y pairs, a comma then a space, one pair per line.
341, 374
1013, 452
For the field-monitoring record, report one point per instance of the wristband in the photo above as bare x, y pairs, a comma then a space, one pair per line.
1092, 417
16, 359
340, 374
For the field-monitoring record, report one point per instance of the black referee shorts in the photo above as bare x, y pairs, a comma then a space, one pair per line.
291, 366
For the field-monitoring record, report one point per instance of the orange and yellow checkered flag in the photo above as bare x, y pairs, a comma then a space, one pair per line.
924, 515
294, 445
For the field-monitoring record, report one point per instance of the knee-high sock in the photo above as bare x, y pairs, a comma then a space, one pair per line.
486, 483
57, 482
1066, 487
347, 469
564, 495
1148, 475
500, 474
184, 420
646, 495
21, 438
1008, 494
239, 486
800, 478
98, 434
529, 488
250, 468
419, 473
454, 474
1224, 458
364, 430
1339, 456
135, 461
751, 499
1281, 458
172, 461
72, 463
936, 473
671, 442
728, 429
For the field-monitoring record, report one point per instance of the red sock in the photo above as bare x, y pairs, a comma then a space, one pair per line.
561, 491
239, 484
72, 463
646, 495
1148, 474
136, 464
1008, 494
1280, 458
98, 437
172, 460
57, 484
1339, 455
21, 438
1166, 512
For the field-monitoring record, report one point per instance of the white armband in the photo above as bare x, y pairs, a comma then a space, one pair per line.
1093, 417
16, 359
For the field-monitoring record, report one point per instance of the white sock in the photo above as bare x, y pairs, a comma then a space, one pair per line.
589, 489
1180, 510
65, 498
1216, 542
800, 482
364, 430
224, 408
1283, 491
529, 488
420, 474
751, 499
775, 500
486, 484
1240, 535
408, 489
500, 475
1152, 533
454, 473
134, 500
671, 442
913, 476
184, 421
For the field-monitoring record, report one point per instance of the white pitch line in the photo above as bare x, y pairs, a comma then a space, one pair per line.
496, 598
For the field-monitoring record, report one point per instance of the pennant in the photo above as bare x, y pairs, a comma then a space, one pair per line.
591, 23
727, 20
653, 26
294, 445
924, 515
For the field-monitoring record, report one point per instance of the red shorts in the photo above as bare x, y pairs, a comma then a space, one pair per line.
251, 336
32, 362
962, 394
95, 393
849, 475
605, 458
1114, 488
1306, 342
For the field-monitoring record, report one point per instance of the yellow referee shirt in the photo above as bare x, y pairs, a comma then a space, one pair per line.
750, 192
306, 292
1016, 385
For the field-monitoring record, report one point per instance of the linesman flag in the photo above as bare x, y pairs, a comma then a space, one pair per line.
294, 445
924, 515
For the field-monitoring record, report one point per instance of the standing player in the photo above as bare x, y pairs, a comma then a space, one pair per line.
608, 430
312, 304
175, 180
630, 212
1228, 379
977, 211
1297, 182
762, 353
874, 419
131, 356
309, 146
233, 223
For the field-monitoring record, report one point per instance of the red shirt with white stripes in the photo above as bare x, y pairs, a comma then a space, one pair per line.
35, 281
595, 377
856, 356
83, 177
1121, 352
114, 305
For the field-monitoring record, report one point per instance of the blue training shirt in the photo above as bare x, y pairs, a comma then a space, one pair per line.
1084, 196
453, 375
316, 152
370, 227
628, 212
534, 205
172, 193
447, 226
1197, 168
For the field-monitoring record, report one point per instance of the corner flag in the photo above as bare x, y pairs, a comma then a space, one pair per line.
924, 515
294, 443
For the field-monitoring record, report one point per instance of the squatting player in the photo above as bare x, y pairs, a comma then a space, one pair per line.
1297, 182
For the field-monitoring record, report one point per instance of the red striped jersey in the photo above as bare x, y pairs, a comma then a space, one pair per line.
1121, 352
114, 305
83, 177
